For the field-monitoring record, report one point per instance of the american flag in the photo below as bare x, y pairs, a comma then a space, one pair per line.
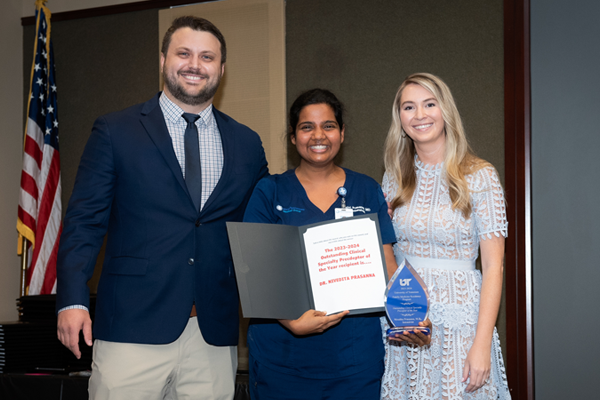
40, 208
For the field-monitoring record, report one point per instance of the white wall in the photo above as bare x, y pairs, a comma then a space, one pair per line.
11, 131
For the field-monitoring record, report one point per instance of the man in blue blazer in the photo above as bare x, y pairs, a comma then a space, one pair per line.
166, 321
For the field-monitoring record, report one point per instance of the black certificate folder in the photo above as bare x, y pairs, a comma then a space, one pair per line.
283, 271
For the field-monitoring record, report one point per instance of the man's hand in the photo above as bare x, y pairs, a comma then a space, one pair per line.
70, 323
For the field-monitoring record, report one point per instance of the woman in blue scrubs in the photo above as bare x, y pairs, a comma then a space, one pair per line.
318, 356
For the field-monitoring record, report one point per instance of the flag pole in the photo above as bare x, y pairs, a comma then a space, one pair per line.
23, 266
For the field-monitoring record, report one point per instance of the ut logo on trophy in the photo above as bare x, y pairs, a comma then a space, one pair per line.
404, 282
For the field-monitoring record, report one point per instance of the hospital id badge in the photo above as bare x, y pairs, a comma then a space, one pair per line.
345, 212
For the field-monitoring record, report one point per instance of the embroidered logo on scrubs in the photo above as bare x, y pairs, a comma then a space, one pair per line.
361, 209
289, 209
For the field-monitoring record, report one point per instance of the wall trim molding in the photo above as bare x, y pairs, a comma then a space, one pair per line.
517, 139
113, 9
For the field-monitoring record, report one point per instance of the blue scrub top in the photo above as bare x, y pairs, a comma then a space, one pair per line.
353, 345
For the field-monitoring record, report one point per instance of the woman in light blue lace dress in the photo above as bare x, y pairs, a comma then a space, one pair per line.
446, 204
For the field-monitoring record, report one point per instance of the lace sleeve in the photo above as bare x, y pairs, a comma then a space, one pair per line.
489, 207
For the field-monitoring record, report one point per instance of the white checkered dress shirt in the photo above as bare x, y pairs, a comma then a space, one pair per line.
211, 147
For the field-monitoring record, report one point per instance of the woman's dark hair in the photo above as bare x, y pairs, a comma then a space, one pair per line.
314, 96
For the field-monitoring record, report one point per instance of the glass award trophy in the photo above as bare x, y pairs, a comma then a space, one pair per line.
406, 301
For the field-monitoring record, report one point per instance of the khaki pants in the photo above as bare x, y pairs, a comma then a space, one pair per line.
188, 368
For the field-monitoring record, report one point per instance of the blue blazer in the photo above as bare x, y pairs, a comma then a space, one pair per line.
162, 255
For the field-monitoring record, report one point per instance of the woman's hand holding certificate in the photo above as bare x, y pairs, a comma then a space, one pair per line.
312, 321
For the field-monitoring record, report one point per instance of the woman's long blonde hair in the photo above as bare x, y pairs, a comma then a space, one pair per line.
459, 159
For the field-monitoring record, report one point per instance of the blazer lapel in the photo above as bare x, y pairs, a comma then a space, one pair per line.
154, 121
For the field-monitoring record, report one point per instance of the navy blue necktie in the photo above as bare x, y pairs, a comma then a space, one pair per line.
193, 172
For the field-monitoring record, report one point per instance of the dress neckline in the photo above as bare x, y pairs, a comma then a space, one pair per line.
437, 168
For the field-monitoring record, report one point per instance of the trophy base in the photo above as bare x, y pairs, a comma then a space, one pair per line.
410, 329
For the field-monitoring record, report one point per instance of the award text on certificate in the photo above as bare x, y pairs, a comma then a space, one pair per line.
345, 265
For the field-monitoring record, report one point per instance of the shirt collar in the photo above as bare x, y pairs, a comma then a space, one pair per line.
174, 113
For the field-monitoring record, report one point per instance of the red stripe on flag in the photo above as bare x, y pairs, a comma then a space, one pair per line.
45, 210
32, 148
50, 275
29, 185
26, 219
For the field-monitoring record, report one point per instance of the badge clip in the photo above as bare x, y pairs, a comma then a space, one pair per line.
342, 192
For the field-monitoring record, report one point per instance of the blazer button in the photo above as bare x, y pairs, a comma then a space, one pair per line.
198, 222
191, 261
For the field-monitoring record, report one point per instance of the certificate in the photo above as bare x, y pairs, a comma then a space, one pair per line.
283, 271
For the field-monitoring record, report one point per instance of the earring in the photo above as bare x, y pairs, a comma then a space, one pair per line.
403, 134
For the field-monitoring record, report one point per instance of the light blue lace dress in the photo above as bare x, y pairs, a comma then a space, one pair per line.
442, 246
